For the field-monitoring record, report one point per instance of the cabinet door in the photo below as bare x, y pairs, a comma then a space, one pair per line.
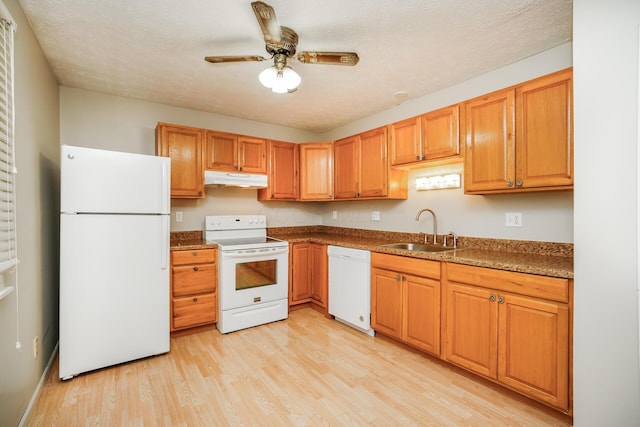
471, 332
386, 302
374, 169
346, 169
404, 142
184, 146
252, 155
440, 133
421, 327
489, 133
319, 273
282, 171
300, 273
222, 151
316, 171
533, 350
544, 136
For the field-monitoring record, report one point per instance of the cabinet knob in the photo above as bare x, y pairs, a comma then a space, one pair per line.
519, 183
199, 193
329, 196
509, 183
195, 299
417, 157
397, 277
195, 268
500, 300
492, 298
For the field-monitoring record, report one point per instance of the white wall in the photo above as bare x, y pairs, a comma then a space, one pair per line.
606, 364
35, 312
103, 121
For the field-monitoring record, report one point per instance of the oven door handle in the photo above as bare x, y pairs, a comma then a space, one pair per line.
257, 253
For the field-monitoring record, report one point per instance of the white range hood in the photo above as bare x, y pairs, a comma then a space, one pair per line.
235, 179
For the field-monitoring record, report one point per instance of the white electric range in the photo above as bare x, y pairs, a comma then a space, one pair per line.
253, 271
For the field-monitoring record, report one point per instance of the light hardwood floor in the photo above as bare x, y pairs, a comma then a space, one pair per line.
304, 371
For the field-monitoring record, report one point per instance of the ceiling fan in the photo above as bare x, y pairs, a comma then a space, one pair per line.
281, 43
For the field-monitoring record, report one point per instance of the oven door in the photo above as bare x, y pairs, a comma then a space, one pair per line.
253, 276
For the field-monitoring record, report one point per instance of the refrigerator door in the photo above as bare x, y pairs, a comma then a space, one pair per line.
100, 181
114, 290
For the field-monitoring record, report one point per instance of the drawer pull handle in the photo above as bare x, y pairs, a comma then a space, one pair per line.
195, 299
194, 253
195, 268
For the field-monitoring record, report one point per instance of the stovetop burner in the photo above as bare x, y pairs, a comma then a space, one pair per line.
239, 232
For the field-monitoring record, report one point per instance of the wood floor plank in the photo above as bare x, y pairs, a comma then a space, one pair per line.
304, 371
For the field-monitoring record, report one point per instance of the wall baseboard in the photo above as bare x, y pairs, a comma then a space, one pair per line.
36, 392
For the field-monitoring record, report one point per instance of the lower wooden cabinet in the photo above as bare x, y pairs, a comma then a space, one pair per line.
405, 300
511, 327
194, 280
308, 274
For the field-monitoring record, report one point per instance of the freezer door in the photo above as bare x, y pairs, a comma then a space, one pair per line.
100, 181
114, 290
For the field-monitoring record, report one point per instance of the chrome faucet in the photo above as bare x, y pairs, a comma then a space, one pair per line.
435, 224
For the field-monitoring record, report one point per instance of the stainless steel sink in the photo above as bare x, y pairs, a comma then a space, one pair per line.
419, 247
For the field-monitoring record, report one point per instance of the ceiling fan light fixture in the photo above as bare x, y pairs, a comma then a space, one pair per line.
280, 81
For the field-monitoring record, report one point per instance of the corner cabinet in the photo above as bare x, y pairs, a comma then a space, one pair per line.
405, 300
282, 170
308, 274
183, 145
232, 153
361, 168
316, 171
521, 139
194, 283
513, 328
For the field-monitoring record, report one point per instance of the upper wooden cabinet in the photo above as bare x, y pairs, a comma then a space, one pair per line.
361, 168
184, 146
521, 139
282, 169
431, 136
232, 153
316, 171
441, 133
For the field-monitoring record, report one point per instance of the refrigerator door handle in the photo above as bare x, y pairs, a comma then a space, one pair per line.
164, 247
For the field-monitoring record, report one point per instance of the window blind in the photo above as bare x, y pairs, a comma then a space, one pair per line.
8, 170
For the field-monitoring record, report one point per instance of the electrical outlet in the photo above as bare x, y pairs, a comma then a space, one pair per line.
36, 347
178, 216
375, 216
334, 215
513, 219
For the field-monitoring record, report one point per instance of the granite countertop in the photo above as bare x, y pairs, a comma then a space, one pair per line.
542, 258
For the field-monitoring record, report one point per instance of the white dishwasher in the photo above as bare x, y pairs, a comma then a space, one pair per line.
350, 287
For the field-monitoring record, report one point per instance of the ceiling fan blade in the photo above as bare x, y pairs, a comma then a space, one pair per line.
218, 59
268, 21
332, 58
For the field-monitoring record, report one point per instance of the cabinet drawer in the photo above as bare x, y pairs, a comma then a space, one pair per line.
193, 279
196, 310
197, 256
551, 288
408, 265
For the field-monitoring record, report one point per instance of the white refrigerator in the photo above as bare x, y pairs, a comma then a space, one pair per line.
114, 258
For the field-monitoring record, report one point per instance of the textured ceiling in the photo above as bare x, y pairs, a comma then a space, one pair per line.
154, 50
